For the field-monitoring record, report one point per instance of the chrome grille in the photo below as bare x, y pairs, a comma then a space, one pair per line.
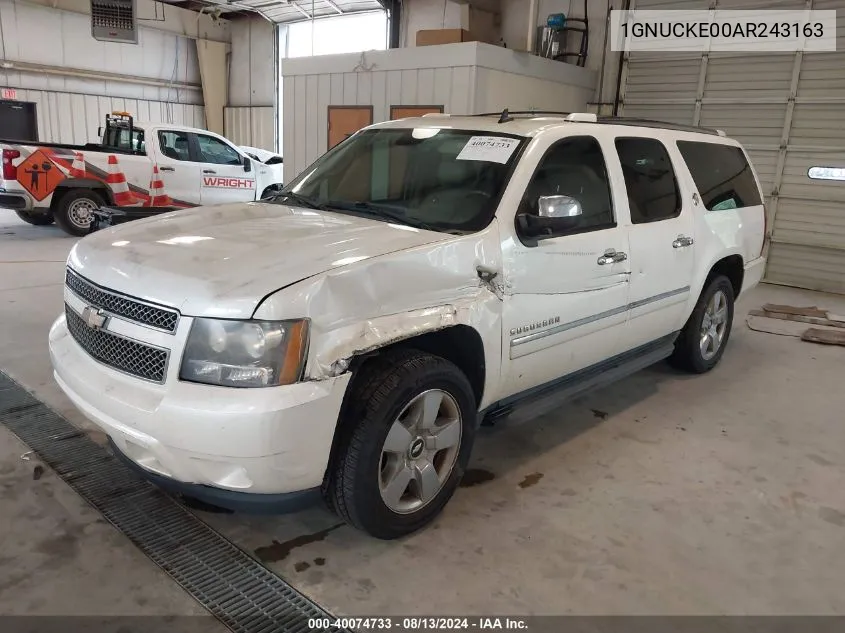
123, 354
122, 306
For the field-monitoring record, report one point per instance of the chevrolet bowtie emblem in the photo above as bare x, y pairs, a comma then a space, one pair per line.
94, 318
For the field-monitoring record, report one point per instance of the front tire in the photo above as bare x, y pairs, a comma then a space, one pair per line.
35, 218
407, 428
75, 211
703, 340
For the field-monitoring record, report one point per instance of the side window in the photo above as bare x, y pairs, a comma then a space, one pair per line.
574, 167
215, 151
174, 145
649, 179
722, 175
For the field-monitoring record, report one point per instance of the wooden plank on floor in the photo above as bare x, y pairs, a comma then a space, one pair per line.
811, 311
796, 317
825, 337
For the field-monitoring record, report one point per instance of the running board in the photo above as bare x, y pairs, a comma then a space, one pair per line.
593, 377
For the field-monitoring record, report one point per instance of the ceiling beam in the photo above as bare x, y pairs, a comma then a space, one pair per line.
334, 6
302, 11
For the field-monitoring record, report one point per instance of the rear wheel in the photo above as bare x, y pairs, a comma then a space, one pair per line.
407, 430
75, 210
36, 218
703, 340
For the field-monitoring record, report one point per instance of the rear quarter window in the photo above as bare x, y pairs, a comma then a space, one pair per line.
722, 175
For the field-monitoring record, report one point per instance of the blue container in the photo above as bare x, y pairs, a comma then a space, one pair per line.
556, 21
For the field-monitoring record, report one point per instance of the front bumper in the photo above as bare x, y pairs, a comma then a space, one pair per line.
263, 442
245, 502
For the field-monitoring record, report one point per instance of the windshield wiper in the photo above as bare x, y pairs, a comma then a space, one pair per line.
299, 198
380, 211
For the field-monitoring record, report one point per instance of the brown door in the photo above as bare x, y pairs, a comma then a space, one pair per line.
344, 121
404, 112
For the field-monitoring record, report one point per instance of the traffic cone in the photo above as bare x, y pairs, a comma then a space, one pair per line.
117, 181
77, 168
157, 196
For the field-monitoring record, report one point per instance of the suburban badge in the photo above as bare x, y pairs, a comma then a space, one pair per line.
539, 325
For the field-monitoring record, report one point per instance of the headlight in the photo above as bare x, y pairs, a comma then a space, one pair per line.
245, 353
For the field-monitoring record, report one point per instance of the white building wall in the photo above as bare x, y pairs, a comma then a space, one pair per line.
252, 64
50, 57
439, 14
253, 127
466, 78
440, 75
252, 84
498, 90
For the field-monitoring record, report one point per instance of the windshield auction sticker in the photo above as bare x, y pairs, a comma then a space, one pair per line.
493, 149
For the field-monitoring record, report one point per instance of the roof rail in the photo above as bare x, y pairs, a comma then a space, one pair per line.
524, 112
617, 120
588, 117
432, 114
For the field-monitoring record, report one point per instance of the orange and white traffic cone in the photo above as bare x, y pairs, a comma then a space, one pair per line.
117, 181
77, 168
157, 196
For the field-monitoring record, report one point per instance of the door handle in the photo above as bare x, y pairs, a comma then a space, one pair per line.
682, 241
208, 171
166, 169
612, 256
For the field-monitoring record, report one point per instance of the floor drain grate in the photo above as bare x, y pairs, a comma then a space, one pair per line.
234, 587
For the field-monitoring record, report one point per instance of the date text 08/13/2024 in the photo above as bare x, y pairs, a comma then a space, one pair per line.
418, 623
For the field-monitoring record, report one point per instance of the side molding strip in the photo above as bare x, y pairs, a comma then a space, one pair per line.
534, 336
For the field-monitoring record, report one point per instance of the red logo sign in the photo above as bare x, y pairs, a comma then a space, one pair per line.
39, 175
8, 93
220, 182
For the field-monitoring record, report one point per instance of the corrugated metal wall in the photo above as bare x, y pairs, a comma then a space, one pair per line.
463, 78
306, 99
254, 127
74, 118
498, 90
787, 109
70, 108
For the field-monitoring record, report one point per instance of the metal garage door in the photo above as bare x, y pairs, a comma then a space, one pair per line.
788, 109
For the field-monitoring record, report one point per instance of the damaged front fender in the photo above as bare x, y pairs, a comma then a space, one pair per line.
377, 302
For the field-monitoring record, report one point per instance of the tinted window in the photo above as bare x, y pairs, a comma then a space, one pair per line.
215, 151
649, 179
574, 167
722, 175
174, 145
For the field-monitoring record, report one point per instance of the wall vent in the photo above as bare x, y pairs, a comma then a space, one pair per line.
114, 21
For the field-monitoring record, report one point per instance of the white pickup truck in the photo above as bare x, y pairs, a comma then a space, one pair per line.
347, 335
135, 164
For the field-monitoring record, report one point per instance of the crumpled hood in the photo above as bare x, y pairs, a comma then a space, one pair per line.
222, 261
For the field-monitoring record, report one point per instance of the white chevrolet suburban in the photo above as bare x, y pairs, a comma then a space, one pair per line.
345, 337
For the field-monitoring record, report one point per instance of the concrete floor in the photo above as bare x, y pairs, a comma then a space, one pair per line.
663, 494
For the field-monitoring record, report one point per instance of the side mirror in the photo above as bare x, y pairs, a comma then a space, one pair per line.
556, 215
247, 164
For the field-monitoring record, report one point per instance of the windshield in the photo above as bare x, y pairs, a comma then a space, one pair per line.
432, 178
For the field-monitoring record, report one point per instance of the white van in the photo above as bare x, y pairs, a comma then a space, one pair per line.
346, 337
